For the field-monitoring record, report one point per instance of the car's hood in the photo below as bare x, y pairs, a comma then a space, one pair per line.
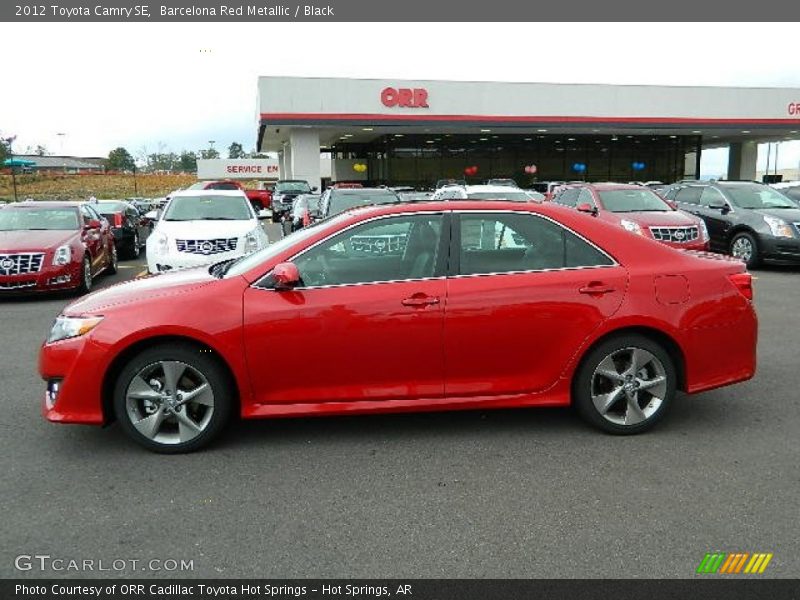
672, 218
33, 241
205, 230
137, 290
792, 215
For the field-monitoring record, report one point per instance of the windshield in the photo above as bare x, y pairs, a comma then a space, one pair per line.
54, 219
514, 196
344, 201
208, 208
757, 196
292, 186
200, 185
633, 201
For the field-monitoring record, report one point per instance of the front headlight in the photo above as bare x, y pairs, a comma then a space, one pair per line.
703, 231
162, 243
778, 227
251, 243
70, 327
62, 256
631, 226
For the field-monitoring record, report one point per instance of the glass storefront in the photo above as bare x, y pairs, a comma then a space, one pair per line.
420, 160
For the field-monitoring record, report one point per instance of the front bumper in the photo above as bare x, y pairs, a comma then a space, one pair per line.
49, 279
780, 250
695, 245
77, 366
174, 260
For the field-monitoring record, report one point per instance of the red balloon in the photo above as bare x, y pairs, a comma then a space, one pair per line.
533, 169
468, 171
527, 169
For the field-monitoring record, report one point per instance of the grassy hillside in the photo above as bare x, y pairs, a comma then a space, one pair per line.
80, 187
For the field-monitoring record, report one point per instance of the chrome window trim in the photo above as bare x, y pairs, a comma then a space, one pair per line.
614, 262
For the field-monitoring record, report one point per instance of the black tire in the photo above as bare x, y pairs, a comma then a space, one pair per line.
111, 269
133, 250
199, 360
587, 385
744, 239
86, 276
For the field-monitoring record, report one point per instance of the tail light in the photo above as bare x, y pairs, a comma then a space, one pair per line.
744, 283
117, 219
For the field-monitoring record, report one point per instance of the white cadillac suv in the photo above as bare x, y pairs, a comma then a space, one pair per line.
201, 227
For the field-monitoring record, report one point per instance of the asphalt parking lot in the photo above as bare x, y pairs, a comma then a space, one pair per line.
518, 493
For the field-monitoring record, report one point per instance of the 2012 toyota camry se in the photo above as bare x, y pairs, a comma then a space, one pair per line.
430, 306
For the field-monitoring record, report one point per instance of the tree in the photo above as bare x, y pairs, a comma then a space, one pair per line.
209, 153
5, 146
41, 150
235, 150
188, 161
119, 159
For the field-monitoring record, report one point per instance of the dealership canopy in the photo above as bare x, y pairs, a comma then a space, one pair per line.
414, 132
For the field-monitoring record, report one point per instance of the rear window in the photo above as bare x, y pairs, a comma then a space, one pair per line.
341, 202
107, 208
208, 208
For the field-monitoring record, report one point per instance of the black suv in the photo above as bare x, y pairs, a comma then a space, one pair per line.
748, 220
286, 190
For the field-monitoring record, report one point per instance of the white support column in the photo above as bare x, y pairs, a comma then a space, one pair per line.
305, 155
742, 157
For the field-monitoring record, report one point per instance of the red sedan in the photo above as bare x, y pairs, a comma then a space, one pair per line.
434, 306
638, 210
49, 246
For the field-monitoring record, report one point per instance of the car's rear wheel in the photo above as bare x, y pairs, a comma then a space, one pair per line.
173, 398
133, 251
745, 247
625, 385
85, 275
113, 262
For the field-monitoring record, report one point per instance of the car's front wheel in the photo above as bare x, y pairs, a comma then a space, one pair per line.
745, 247
113, 261
86, 276
173, 398
625, 385
133, 250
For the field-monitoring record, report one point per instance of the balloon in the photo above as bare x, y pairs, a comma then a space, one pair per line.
533, 169
527, 169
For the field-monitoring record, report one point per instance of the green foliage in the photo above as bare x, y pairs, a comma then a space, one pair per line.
235, 150
209, 153
5, 147
188, 161
119, 159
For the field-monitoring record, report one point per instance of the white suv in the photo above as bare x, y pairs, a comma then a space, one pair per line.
483, 192
201, 227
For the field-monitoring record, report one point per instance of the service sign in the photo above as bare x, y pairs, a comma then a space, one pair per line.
240, 168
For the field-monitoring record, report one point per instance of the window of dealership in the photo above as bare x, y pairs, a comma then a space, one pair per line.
415, 132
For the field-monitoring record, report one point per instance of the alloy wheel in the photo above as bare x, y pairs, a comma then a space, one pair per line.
169, 402
742, 249
628, 386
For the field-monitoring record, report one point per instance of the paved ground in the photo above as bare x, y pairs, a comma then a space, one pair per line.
522, 493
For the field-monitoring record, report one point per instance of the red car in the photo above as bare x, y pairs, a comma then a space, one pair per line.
430, 306
49, 246
260, 199
639, 210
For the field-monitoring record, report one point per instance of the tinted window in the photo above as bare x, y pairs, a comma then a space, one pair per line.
757, 196
292, 186
107, 208
711, 195
513, 196
792, 192
222, 186
208, 208
507, 242
585, 196
390, 249
689, 195
568, 197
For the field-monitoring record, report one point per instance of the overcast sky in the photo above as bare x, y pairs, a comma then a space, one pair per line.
176, 86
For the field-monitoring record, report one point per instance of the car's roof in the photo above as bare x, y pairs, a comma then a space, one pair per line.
610, 185
362, 191
487, 188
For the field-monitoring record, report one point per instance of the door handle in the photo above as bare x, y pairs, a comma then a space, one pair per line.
596, 287
420, 300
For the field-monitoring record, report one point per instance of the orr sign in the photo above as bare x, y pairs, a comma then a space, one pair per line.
242, 168
404, 97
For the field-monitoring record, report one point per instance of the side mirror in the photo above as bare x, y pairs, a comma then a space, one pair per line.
314, 189
587, 208
720, 205
285, 276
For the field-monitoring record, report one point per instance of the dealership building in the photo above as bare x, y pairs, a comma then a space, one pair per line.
414, 132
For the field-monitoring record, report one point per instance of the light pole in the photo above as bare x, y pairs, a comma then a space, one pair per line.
13, 171
61, 135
